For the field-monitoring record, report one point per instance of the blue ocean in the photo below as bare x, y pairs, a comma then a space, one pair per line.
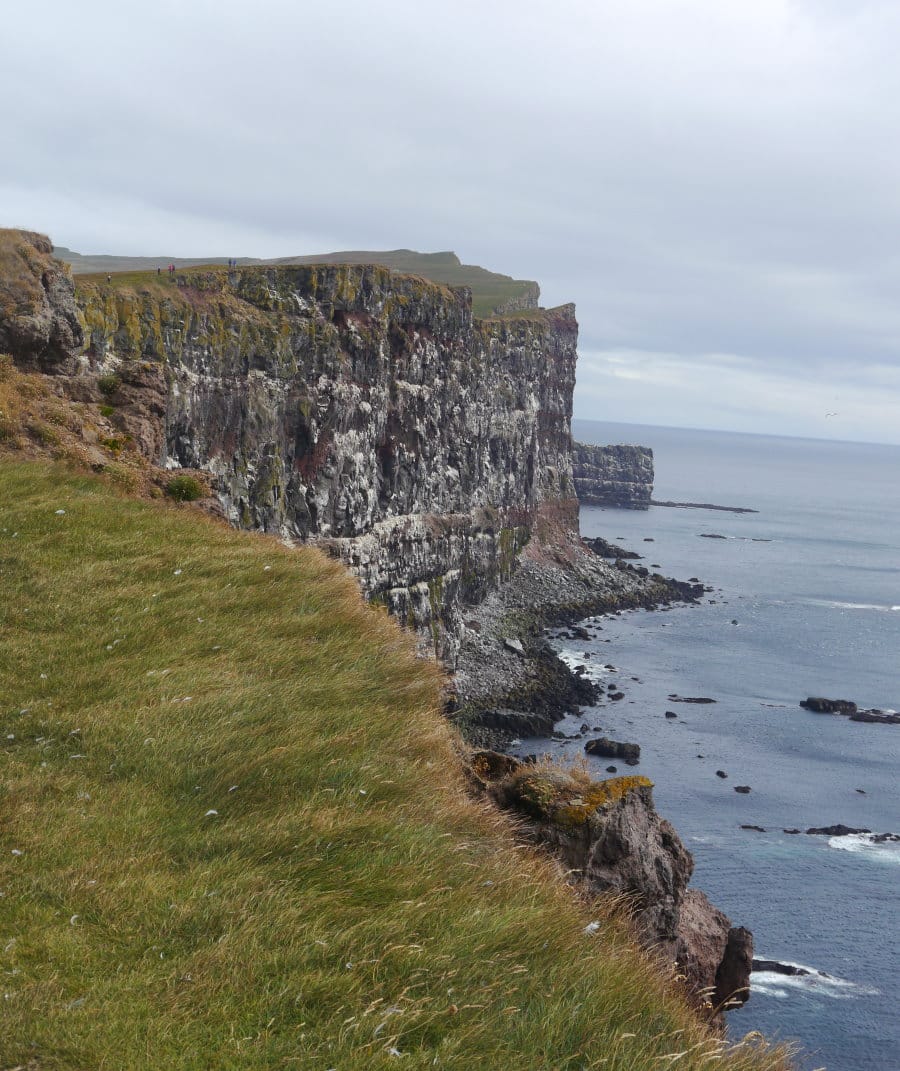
806, 601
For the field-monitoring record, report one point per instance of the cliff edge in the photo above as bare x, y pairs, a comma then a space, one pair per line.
363, 411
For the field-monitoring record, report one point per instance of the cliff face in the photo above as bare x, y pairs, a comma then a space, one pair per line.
353, 406
616, 476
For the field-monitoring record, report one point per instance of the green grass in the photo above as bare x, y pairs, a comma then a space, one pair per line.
233, 832
489, 289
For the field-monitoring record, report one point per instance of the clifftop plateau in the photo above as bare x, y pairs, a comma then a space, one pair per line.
492, 292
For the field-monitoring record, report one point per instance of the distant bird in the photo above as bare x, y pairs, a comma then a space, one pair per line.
830, 414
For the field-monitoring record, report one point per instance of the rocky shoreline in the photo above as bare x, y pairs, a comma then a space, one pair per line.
510, 683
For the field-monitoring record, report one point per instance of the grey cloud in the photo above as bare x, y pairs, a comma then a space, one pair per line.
701, 178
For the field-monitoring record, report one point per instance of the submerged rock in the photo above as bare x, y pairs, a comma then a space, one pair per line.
777, 967
838, 830
846, 707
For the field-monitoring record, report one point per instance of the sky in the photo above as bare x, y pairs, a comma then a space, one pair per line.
716, 185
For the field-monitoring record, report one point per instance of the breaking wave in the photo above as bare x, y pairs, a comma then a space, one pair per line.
865, 845
812, 983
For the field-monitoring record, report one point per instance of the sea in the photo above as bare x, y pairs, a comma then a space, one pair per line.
805, 602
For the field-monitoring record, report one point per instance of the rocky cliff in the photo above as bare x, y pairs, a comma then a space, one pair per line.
371, 413
611, 840
616, 476
346, 404
363, 409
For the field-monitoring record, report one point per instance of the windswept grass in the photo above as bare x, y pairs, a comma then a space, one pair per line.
232, 832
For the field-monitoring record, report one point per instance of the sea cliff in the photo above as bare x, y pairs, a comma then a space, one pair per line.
369, 413
616, 476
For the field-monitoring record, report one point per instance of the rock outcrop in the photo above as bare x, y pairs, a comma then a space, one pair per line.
611, 840
630, 754
846, 707
617, 476
38, 318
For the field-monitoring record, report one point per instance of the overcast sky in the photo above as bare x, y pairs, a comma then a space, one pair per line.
715, 184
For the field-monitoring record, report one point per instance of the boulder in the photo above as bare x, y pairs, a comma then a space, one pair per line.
776, 967
630, 754
819, 705
838, 830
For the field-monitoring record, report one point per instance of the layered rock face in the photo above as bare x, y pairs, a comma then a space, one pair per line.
616, 476
349, 405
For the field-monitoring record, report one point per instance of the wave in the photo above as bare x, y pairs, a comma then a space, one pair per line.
885, 608
594, 670
811, 983
863, 844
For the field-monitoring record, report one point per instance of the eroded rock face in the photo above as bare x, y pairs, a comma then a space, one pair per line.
38, 318
616, 476
715, 957
362, 409
611, 840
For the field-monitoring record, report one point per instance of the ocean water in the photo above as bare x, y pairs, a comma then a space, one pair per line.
806, 602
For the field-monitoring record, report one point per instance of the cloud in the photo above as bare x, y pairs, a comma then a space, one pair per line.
700, 177
734, 392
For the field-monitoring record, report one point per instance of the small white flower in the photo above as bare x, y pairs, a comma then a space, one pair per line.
210, 813
266, 568
591, 928
178, 572
60, 512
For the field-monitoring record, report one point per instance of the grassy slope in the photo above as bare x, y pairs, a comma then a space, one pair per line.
345, 899
489, 288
